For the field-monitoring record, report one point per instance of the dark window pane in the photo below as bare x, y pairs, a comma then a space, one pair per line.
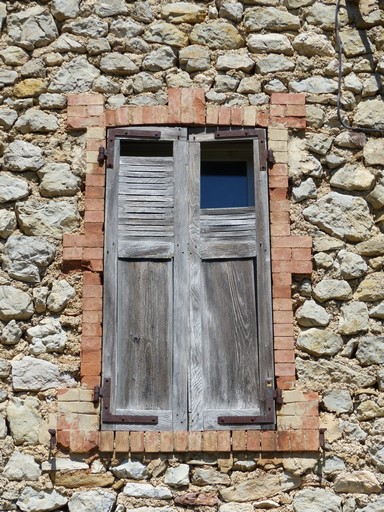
145, 148
224, 185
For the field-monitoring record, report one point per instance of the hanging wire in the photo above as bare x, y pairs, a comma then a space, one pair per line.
339, 79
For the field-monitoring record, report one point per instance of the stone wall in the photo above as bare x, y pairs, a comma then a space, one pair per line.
244, 56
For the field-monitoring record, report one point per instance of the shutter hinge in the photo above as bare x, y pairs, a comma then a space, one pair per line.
102, 156
97, 394
322, 437
274, 396
126, 419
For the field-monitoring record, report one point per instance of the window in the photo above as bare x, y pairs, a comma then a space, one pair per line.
187, 302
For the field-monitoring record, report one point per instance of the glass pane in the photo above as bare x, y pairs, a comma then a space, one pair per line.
224, 185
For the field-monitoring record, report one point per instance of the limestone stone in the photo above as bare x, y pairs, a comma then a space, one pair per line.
371, 86
117, 64
178, 80
270, 18
4, 369
209, 476
31, 374
7, 77
47, 336
236, 507
159, 60
76, 77
364, 482
374, 152
370, 350
32, 28
372, 247
194, 58
338, 400
116, 101
354, 318
316, 500
91, 26
52, 101
369, 114
66, 43
138, 45
377, 457
235, 61
130, 469
106, 85
98, 46
145, 82
344, 216
355, 43
136, 490
264, 486
8, 117
232, 11
315, 116
332, 289
40, 298
30, 87
13, 56
177, 476
65, 9
326, 243
217, 35
301, 162
26, 257
375, 506
351, 265
58, 180
62, 292
371, 288
319, 343
24, 420
183, 12
274, 85
312, 315
21, 156
273, 64
369, 410
126, 28
11, 333
244, 465
353, 431
8, 223
319, 144
22, 467
142, 12
333, 465
333, 160
352, 177
323, 260
61, 464
376, 197
12, 189
34, 68
337, 372
48, 218
75, 479
225, 83
165, 33
269, 43
249, 85
31, 500
106, 8
35, 120
306, 190
314, 85
312, 44
15, 304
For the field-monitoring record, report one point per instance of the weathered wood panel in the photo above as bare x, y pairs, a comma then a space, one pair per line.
144, 351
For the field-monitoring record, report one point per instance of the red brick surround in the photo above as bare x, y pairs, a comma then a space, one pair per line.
297, 420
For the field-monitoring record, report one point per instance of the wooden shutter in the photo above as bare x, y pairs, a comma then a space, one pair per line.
231, 371
144, 384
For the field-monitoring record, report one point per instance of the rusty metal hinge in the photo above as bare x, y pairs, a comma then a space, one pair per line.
127, 419
102, 156
238, 134
97, 394
322, 437
273, 396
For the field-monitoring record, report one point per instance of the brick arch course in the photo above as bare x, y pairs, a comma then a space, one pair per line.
297, 419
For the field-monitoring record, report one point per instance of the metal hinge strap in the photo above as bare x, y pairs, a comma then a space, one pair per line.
127, 419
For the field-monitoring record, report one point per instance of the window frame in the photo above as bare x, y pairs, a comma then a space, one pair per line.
267, 418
